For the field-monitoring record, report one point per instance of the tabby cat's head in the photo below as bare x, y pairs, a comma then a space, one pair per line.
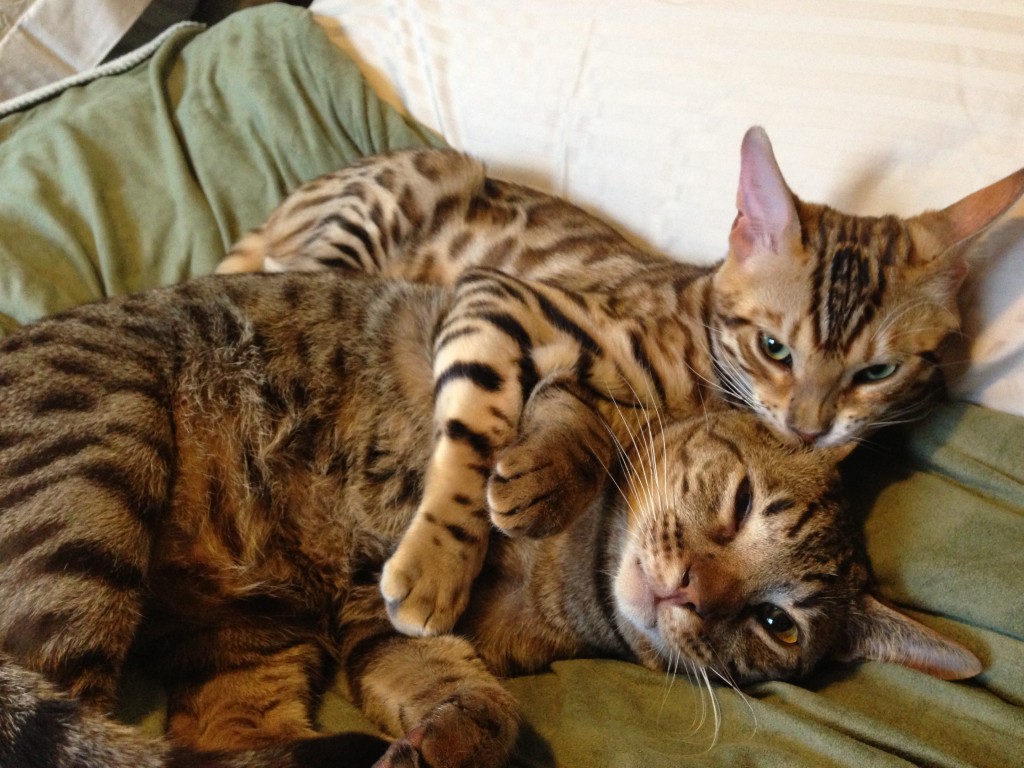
740, 559
828, 325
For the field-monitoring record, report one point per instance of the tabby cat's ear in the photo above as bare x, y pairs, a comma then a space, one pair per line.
767, 218
940, 236
878, 632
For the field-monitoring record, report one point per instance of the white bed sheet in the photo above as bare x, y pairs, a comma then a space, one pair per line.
43, 41
635, 111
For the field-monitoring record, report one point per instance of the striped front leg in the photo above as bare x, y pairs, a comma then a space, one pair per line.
483, 371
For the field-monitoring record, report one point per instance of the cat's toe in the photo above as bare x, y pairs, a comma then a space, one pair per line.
534, 499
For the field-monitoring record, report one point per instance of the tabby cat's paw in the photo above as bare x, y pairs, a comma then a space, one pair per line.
472, 729
426, 583
535, 491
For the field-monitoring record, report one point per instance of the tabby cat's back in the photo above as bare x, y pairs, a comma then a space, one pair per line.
161, 439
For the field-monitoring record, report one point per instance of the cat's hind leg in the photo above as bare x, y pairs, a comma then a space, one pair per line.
263, 699
363, 218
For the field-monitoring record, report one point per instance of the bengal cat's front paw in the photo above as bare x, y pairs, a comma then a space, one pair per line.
426, 582
537, 489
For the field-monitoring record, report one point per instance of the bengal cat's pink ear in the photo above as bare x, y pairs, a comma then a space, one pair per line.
879, 632
935, 233
767, 217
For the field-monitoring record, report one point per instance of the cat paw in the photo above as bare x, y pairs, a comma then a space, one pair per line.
470, 730
425, 587
537, 490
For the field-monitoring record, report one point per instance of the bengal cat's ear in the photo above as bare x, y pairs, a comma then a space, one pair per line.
767, 219
939, 236
879, 632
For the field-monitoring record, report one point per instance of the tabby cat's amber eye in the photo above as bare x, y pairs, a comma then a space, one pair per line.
775, 349
876, 372
778, 622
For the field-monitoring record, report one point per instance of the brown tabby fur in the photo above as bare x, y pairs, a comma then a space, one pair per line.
208, 478
825, 325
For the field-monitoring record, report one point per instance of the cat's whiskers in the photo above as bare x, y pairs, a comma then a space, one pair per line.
716, 707
905, 414
647, 517
623, 458
661, 489
702, 687
735, 384
671, 672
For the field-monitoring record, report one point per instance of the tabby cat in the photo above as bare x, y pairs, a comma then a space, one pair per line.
207, 479
825, 325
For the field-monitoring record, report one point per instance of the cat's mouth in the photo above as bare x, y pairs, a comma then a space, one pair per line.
649, 609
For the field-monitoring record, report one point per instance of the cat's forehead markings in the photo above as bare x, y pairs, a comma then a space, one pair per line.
852, 255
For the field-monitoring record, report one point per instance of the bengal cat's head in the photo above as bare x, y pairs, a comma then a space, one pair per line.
740, 560
828, 325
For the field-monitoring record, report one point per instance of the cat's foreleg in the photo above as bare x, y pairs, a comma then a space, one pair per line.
483, 372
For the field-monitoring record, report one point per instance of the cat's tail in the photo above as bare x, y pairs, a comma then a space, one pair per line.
40, 727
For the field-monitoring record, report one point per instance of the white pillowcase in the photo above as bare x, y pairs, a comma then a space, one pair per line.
635, 110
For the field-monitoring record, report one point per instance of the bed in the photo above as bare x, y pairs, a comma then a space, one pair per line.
144, 173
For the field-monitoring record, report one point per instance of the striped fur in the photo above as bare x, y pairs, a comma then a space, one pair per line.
825, 325
208, 479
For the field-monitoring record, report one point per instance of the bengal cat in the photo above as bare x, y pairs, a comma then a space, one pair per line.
824, 325
207, 479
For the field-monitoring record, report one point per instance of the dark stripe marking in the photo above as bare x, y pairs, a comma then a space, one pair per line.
802, 520
458, 431
480, 374
94, 562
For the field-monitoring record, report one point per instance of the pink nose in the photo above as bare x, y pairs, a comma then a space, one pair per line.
685, 594
706, 591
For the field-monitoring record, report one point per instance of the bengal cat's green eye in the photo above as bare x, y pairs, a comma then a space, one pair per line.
778, 622
875, 372
776, 350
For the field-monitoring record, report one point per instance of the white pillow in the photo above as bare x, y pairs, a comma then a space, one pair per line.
635, 110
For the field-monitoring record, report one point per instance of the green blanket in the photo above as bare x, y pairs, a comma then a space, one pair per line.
143, 178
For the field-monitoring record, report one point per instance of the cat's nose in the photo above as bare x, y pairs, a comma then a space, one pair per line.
686, 594
708, 592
